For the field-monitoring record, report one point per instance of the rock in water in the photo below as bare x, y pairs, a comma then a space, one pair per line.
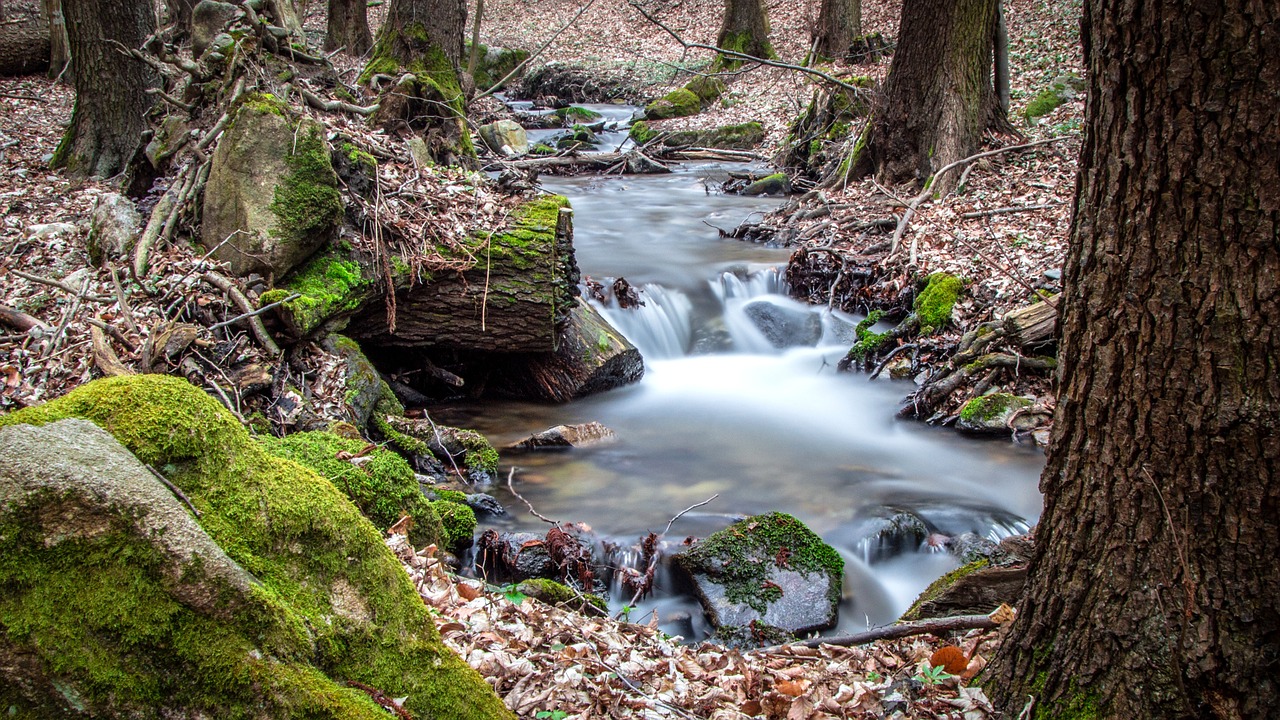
272, 194
784, 323
567, 436
767, 569
274, 602
505, 134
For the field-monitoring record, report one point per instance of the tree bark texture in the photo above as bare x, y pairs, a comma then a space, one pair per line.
24, 37
111, 107
59, 43
1152, 593
348, 27
179, 12
745, 29
839, 22
414, 28
939, 97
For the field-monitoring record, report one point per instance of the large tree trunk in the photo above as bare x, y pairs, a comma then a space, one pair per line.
111, 107
938, 98
839, 22
745, 29
24, 37
348, 27
424, 37
1152, 593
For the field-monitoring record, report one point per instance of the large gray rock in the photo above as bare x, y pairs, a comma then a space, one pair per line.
768, 569
363, 383
272, 193
76, 482
114, 228
505, 137
784, 323
208, 18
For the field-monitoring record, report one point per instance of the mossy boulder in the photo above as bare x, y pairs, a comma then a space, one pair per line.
466, 449
322, 294
577, 115
493, 64
1062, 90
775, 184
994, 414
101, 619
742, 136
272, 196
768, 569
363, 383
677, 103
556, 593
708, 88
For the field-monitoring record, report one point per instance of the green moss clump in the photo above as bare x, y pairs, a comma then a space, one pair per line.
708, 88
1043, 104
937, 587
745, 43
555, 593
456, 496
332, 604
989, 407
933, 305
868, 341
677, 103
384, 488
742, 136
329, 285
459, 522
306, 202
577, 114
641, 132
744, 552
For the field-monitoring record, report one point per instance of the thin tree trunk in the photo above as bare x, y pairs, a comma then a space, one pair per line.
839, 22
111, 107
1002, 60
348, 27
1152, 593
59, 45
938, 98
745, 29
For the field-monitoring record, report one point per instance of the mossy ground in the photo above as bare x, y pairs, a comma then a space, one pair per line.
744, 552
291, 529
867, 340
933, 305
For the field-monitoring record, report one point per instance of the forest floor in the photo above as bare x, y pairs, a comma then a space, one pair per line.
545, 662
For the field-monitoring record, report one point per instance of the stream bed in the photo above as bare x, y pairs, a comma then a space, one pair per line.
759, 417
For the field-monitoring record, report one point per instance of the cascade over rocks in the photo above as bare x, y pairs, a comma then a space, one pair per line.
784, 325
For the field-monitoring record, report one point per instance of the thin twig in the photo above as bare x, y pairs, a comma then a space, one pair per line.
1006, 210
533, 512
682, 512
1003, 270
892, 354
255, 323
175, 490
58, 284
255, 313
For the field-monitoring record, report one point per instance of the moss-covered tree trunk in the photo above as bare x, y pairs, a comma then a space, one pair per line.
839, 22
1152, 592
745, 29
424, 38
111, 107
348, 27
939, 96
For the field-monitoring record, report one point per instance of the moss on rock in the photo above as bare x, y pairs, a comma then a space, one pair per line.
335, 605
555, 593
329, 285
933, 305
677, 103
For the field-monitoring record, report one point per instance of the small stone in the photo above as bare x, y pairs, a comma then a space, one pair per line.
567, 436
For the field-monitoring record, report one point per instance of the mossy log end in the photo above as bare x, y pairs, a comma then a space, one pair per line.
516, 298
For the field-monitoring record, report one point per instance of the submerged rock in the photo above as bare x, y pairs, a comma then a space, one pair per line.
567, 436
274, 601
784, 324
768, 569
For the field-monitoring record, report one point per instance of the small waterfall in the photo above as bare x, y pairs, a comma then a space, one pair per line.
661, 328
733, 285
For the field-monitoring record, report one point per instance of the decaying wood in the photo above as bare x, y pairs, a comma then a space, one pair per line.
901, 630
104, 356
255, 322
20, 321
1032, 325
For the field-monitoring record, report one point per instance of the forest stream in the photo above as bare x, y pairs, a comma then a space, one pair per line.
722, 409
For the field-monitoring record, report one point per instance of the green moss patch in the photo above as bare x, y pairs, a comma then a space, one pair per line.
990, 407
677, 103
329, 285
335, 605
937, 587
307, 202
933, 305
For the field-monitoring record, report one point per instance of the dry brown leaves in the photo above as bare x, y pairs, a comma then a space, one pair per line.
542, 658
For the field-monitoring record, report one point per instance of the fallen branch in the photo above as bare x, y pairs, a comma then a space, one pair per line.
901, 630
511, 475
255, 313
104, 356
255, 323
58, 284
320, 103
21, 321
1006, 210
892, 354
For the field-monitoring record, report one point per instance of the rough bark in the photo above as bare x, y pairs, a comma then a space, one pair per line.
415, 28
939, 97
839, 22
59, 43
348, 27
745, 29
111, 88
1152, 590
24, 37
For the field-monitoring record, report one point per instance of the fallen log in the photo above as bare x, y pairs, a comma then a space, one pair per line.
20, 321
631, 160
1033, 325
24, 37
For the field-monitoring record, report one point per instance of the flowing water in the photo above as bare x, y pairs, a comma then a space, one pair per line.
722, 409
